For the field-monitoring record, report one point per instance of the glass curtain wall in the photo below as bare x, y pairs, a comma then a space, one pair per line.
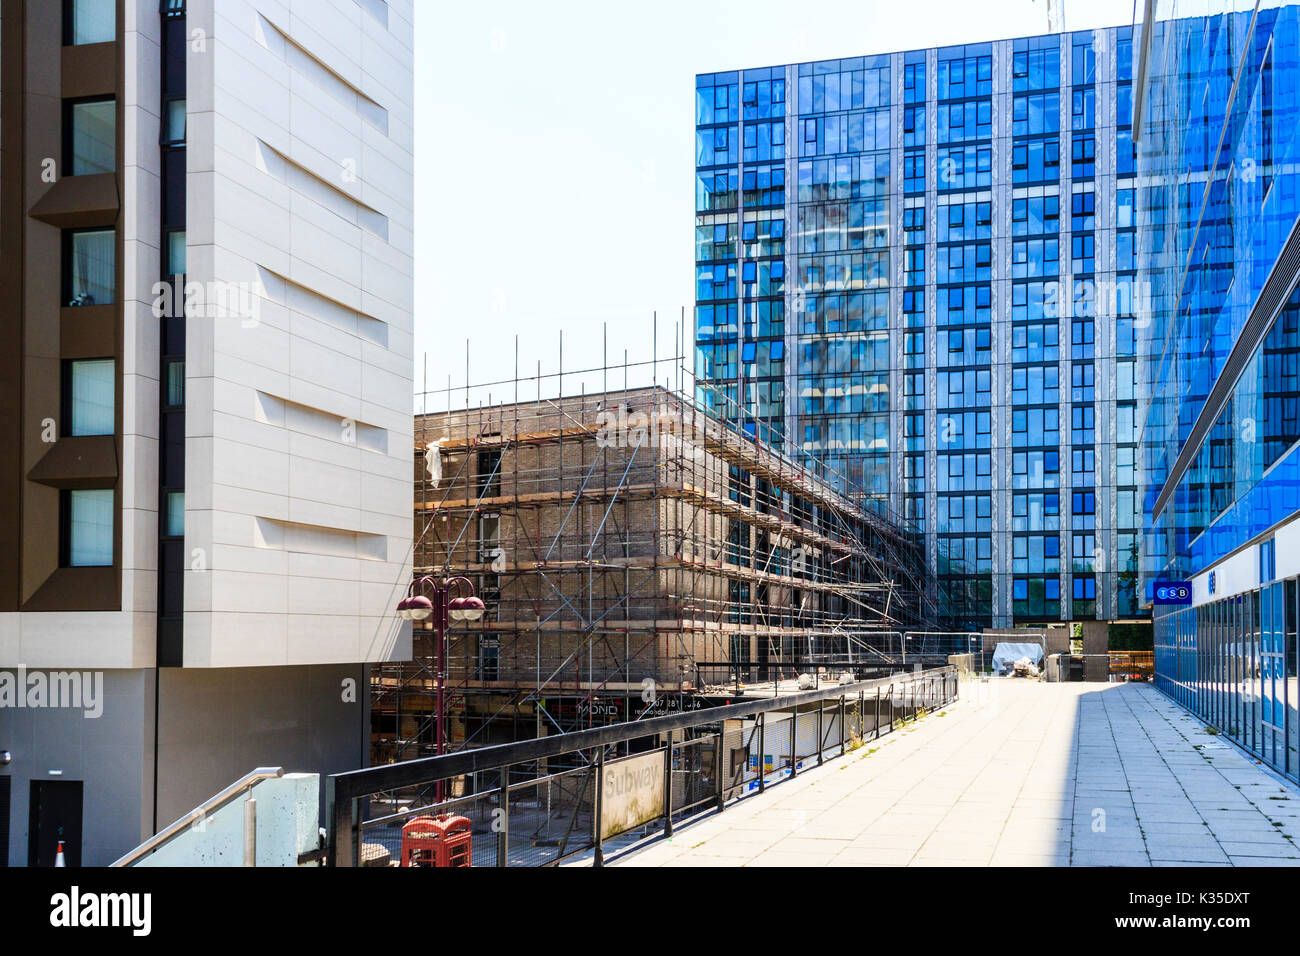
1232, 662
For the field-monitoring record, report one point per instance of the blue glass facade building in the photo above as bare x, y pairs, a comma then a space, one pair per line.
1219, 374
918, 269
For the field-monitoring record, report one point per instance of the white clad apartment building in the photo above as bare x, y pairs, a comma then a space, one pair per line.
210, 518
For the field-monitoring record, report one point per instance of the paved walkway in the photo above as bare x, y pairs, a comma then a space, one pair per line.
1016, 773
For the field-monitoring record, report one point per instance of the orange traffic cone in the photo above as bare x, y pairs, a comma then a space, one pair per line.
58, 856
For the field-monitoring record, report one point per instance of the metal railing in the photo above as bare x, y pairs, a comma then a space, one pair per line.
865, 654
585, 794
771, 677
202, 812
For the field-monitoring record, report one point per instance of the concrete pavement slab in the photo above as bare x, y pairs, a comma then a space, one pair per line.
1017, 773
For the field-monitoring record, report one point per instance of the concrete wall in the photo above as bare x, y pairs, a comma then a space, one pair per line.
112, 755
216, 725
287, 811
298, 412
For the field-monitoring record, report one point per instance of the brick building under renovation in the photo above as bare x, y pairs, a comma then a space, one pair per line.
636, 555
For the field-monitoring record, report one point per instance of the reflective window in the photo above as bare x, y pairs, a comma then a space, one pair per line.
176, 252
88, 527
174, 525
175, 383
89, 21
174, 122
92, 137
90, 389
89, 277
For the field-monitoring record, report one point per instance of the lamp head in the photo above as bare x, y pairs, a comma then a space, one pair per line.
465, 608
417, 608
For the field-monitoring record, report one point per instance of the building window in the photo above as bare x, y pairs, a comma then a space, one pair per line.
489, 473
489, 657
1085, 597
88, 397
489, 536
90, 266
175, 384
176, 252
89, 21
90, 137
174, 526
174, 123
88, 528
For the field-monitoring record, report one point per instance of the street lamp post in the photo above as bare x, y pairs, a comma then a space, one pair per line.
442, 608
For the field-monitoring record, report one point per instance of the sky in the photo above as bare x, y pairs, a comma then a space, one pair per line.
554, 164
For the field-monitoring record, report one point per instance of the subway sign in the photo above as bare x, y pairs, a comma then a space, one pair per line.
1172, 592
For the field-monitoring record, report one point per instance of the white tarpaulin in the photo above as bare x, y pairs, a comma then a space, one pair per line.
433, 461
1006, 654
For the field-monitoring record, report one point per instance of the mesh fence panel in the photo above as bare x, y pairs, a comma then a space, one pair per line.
552, 817
694, 775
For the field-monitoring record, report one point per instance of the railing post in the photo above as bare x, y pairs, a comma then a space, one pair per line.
668, 786
762, 752
717, 770
821, 737
794, 741
875, 727
340, 821
598, 859
503, 822
250, 831
843, 721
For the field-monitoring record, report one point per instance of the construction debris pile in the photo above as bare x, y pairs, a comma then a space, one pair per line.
1024, 667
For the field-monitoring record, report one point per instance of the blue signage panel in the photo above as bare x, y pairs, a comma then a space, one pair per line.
1172, 592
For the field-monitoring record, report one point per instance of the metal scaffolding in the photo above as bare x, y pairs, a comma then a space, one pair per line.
632, 547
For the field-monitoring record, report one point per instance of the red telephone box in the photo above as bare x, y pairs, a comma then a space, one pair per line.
444, 840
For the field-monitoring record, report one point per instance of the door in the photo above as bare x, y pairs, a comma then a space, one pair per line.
4, 821
55, 815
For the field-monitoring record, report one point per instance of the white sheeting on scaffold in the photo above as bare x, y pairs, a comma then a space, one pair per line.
1007, 653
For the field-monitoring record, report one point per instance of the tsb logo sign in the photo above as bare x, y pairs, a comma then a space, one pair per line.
1173, 592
